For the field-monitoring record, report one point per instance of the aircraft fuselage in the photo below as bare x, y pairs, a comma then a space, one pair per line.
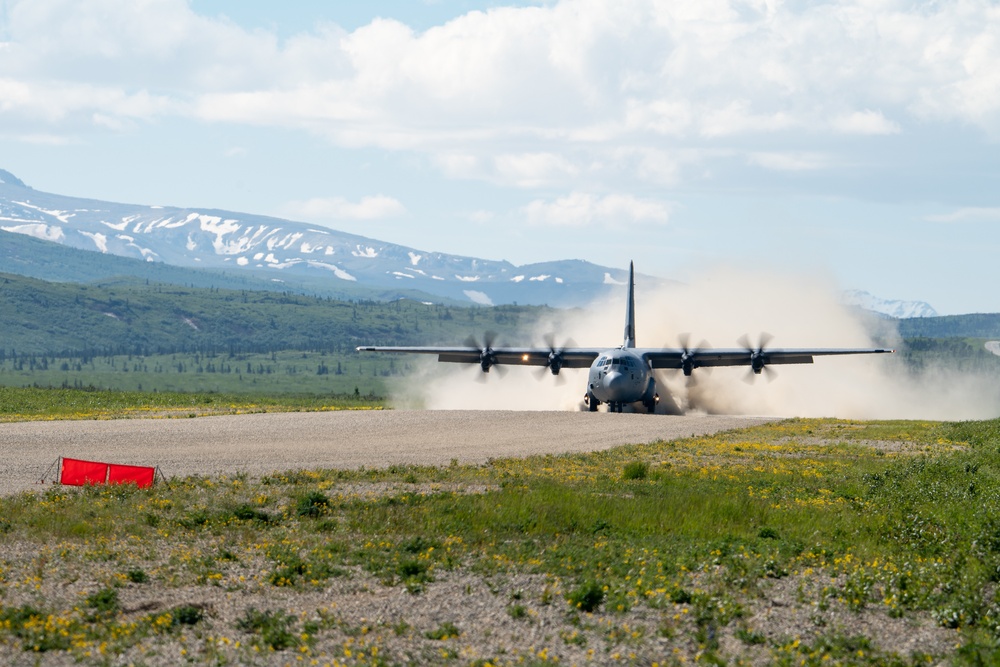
618, 377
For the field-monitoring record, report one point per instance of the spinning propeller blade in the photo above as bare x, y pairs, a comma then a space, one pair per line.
758, 356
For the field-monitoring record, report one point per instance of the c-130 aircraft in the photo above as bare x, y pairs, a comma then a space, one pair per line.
623, 375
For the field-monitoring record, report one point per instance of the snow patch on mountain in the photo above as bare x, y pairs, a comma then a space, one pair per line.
100, 240
892, 308
608, 280
61, 216
337, 271
475, 296
38, 230
117, 226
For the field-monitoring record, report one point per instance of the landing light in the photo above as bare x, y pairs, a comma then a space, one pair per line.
524, 357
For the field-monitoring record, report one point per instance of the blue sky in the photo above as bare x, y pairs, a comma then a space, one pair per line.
852, 140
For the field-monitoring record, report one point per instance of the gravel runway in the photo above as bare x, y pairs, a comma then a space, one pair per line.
263, 443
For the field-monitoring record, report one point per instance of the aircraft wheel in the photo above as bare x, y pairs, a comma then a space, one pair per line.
592, 402
650, 406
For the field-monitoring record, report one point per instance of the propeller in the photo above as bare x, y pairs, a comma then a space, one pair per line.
487, 358
758, 357
555, 361
688, 358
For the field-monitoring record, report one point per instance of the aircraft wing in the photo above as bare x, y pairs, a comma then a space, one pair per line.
677, 357
574, 357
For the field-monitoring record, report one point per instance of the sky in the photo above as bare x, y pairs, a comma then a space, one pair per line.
853, 141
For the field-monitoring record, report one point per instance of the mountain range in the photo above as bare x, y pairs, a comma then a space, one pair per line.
890, 308
280, 251
56, 237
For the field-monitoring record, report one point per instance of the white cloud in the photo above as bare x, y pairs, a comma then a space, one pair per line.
526, 170
482, 216
511, 64
321, 209
739, 118
865, 122
968, 214
789, 161
583, 210
521, 96
534, 169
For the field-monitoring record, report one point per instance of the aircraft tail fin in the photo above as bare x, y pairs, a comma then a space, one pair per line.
630, 309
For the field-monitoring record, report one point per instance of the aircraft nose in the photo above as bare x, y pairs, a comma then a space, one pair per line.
613, 381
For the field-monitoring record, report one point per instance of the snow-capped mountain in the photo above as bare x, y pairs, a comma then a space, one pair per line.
891, 308
213, 239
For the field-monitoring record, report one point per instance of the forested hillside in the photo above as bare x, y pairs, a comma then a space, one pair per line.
977, 325
960, 354
144, 319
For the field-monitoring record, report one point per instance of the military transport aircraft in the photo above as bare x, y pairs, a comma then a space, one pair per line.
623, 375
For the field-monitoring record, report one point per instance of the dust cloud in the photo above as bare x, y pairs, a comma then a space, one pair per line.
715, 309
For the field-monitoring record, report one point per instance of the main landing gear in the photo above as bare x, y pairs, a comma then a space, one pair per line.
591, 402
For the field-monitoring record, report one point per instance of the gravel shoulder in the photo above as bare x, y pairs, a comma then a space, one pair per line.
263, 443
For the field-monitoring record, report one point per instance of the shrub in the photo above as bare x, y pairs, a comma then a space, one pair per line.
104, 601
680, 596
137, 576
635, 470
195, 519
187, 614
250, 513
412, 568
288, 574
273, 627
312, 504
517, 611
587, 597
417, 545
446, 631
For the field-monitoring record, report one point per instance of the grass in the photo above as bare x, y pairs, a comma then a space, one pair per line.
31, 403
274, 373
890, 522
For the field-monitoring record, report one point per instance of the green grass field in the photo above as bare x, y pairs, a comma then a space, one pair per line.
34, 404
857, 534
277, 373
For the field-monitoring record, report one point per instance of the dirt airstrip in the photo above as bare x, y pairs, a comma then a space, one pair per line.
263, 443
